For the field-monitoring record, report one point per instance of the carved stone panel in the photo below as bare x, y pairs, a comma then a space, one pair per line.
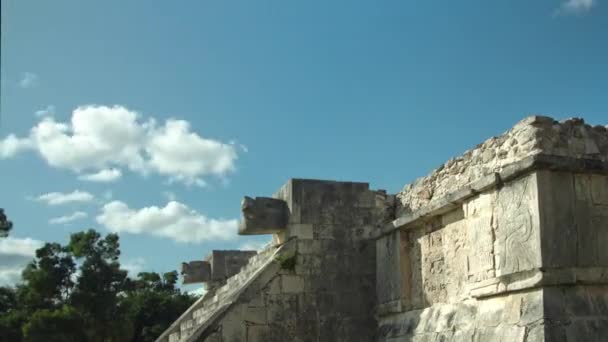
434, 274
455, 254
480, 237
517, 243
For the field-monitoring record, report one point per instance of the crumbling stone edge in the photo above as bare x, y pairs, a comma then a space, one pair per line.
524, 166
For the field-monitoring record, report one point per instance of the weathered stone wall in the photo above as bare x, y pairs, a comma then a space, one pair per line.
531, 136
522, 261
505, 243
321, 288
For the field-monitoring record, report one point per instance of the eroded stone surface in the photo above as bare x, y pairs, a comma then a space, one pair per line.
518, 256
196, 272
531, 136
263, 215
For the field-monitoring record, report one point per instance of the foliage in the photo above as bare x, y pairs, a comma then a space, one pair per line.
287, 261
78, 292
60, 325
5, 224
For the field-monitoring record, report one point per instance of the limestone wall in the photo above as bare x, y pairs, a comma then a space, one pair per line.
505, 243
522, 261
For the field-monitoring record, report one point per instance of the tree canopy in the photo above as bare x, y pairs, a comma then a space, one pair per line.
78, 292
5, 224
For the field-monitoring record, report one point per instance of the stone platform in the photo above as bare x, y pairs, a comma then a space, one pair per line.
504, 243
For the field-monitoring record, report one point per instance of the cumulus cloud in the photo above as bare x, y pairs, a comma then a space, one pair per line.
254, 245
58, 198
15, 254
103, 176
11, 145
576, 6
28, 80
198, 291
133, 266
100, 141
172, 148
48, 111
175, 221
78, 215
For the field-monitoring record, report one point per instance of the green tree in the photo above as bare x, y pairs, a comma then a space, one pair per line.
60, 325
48, 278
154, 303
96, 294
5, 224
78, 292
12, 318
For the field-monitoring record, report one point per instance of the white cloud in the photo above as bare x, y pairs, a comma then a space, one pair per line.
15, 254
28, 80
199, 291
100, 138
78, 215
576, 6
133, 266
48, 111
175, 221
11, 145
173, 149
254, 245
57, 198
102, 176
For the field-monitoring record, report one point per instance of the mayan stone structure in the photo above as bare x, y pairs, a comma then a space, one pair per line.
507, 242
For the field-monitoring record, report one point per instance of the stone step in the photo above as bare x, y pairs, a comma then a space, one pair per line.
174, 337
210, 306
187, 324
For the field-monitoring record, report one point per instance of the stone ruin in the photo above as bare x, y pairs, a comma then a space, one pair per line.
508, 242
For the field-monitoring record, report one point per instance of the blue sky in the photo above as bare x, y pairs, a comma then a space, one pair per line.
157, 98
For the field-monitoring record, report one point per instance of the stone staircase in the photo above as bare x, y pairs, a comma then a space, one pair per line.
211, 305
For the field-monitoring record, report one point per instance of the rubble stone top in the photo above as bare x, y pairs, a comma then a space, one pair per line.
534, 135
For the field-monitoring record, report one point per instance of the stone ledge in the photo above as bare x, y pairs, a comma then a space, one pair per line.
389, 308
515, 282
539, 278
456, 198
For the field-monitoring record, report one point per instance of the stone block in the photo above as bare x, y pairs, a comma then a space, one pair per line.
263, 215
282, 307
196, 272
599, 189
258, 333
226, 263
556, 196
255, 315
292, 284
301, 231
388, 268
310, 246
233, 326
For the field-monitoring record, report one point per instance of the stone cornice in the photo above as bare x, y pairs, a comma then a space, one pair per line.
524, 166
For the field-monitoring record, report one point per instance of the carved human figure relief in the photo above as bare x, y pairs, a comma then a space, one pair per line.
516, 234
